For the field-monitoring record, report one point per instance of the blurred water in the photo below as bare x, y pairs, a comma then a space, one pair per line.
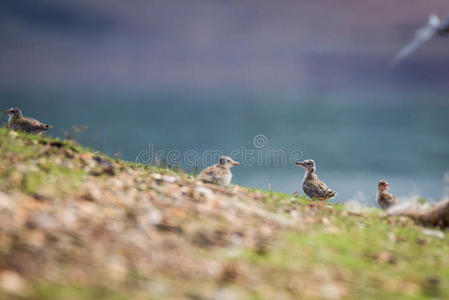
356, 139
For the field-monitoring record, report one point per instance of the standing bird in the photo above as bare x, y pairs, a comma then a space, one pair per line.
384, 198
219, 173
434, 27
312, 185
17, 121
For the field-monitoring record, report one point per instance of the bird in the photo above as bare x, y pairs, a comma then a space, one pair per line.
434, 27
16, 121
384, 198
312, 185
220, 173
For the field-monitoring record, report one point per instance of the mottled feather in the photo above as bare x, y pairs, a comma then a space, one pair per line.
216, 174
29, 125
17, 121
386, 200
312, 185
316, 189
219, 173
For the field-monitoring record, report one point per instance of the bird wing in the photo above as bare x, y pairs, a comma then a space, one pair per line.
208, 174
322, 188
422, 35
316, 188
387, 199
443, 28
30, 124
308, 190
393, 198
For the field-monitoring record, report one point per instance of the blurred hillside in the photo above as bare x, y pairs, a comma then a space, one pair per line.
283, 44
77, 224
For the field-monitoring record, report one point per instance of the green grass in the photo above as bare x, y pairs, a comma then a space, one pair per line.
375, 259
52, 176
47, 290
30, 168
26, 165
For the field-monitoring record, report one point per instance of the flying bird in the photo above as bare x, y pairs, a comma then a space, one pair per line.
312, 185
434, 27
16, 121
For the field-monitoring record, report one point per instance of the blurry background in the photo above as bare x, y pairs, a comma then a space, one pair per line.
309, 75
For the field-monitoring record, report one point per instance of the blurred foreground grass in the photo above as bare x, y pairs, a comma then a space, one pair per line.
75, 224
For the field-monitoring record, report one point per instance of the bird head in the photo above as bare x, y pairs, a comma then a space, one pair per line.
308, 164
382, 185
228, 162
13, 112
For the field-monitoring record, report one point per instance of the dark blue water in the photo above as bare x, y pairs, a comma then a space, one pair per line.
355, 139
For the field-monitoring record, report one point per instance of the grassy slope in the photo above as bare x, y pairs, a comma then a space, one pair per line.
72, 227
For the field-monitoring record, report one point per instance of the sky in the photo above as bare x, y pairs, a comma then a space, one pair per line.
304, 45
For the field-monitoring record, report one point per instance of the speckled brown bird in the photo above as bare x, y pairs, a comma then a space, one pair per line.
384, 198
16, 121
312, 185
219, 173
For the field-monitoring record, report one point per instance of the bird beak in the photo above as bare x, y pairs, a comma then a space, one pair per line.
235, 163
299, 164
6, 111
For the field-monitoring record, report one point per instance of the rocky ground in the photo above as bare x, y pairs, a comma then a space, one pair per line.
76, 224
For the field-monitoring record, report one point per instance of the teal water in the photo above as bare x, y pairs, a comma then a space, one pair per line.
355, 139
